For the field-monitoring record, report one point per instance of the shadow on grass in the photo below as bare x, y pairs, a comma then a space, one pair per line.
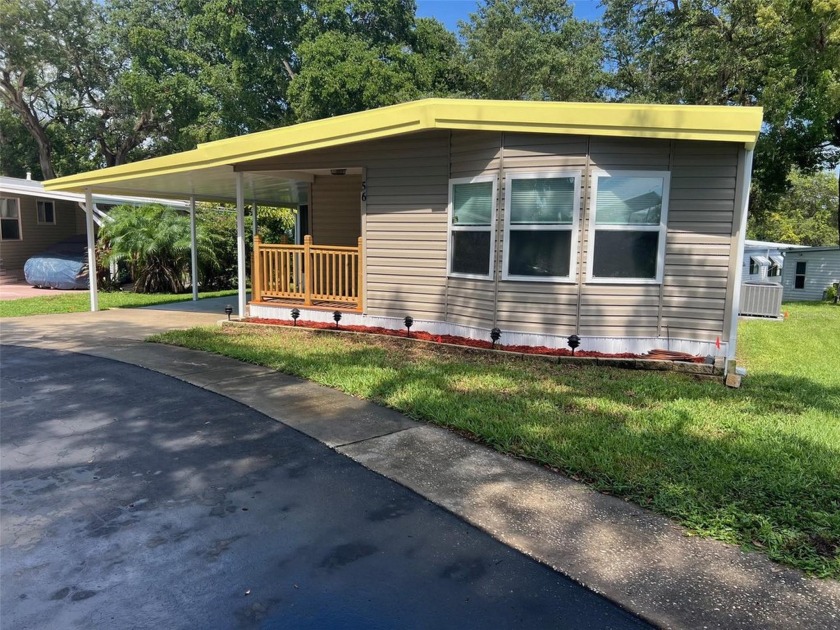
750, 466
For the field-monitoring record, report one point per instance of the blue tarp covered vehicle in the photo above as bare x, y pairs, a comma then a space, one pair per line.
62, 266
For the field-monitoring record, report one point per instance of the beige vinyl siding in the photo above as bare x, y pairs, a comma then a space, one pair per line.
700, 231
335, 210
539, 307
470, 301
404, 217
38, 237
618, 310
407, 184
405, 228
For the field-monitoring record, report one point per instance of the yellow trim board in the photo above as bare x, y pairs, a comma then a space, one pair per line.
682, 122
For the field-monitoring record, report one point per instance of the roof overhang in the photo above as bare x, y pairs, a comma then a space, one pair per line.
212, 164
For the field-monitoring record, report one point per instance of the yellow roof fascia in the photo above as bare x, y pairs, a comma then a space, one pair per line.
681, 122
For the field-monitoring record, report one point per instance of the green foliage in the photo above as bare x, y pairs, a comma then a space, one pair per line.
154, 241
755, 466
362, 54
781, 54
532, 49
99, 84
341, 73
804, 215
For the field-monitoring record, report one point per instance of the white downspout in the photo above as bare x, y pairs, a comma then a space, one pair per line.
240, 242
193, 252
91, 247
254, 218
739, 267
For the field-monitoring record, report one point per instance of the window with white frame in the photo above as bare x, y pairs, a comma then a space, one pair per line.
472, 203
541, 218
46, 212
10, 219
628, 226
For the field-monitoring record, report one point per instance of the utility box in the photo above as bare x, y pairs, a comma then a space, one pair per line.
761, 299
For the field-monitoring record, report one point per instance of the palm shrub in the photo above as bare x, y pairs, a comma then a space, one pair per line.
154, 242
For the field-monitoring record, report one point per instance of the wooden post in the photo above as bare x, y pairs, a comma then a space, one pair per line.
307, 270
361, 291
256, 271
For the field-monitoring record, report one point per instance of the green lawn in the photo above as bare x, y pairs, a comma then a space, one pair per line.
759, 466
78, 302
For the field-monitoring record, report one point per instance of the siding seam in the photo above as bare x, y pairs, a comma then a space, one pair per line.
499, 210
446, 284
582, 229
671, 148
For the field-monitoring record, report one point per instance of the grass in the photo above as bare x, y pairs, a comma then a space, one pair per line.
758, 466
78, 302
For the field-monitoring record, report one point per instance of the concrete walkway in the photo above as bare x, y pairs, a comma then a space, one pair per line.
634, 557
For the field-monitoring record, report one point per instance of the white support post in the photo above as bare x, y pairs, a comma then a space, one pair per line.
744, 197
193, 252
240, 242
91, 247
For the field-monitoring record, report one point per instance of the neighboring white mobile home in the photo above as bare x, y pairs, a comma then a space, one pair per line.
764, 260
809, 272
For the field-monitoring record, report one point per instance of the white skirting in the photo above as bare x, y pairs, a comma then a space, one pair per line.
610, 345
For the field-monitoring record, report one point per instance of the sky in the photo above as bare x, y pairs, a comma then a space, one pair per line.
451, 11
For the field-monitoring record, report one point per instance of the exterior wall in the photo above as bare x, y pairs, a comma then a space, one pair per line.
36, 238
334, 212
823, 269
759, 251
405, 228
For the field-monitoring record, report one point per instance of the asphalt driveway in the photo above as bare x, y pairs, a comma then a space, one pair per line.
133, 500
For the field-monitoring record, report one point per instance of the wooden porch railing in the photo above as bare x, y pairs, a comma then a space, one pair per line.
311, 275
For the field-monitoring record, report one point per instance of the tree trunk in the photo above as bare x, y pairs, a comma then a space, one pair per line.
12, 96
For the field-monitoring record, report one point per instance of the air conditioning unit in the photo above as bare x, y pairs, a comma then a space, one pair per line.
761, 299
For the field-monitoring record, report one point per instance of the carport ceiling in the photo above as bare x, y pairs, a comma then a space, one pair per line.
218, 184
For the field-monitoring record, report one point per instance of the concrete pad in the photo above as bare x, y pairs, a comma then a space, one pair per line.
324, 414
622, 551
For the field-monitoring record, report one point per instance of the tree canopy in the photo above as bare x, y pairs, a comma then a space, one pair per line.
90, 83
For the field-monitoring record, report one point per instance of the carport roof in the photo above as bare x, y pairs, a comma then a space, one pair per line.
209, 170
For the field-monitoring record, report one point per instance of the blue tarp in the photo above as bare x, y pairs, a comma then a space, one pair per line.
60, 266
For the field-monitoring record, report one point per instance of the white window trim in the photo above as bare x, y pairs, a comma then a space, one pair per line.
38, 215
573, 228
472, 228
20, 223
662, 228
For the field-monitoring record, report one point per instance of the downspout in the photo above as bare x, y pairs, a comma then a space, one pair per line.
91, 251
240, 242
744, 196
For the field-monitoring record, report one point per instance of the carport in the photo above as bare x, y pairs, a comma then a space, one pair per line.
189, 176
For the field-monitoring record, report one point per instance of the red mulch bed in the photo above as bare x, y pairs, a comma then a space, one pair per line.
466, 341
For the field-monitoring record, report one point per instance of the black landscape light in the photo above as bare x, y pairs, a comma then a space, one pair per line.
295, 315
337, 317
494, 335
574, 342
228, 311
409, 322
